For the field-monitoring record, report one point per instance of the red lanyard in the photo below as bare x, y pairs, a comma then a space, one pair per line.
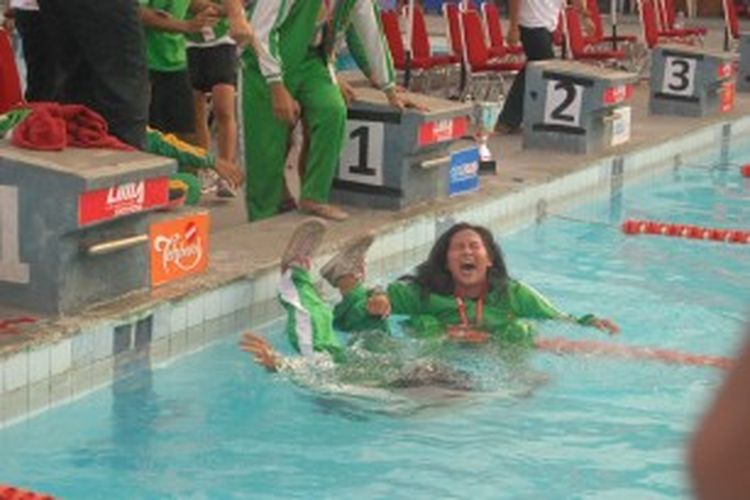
462, 311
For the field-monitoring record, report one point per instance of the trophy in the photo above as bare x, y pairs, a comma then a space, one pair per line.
485, 117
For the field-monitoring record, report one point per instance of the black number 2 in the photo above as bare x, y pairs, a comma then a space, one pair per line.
680, 71
570, 94
361, 168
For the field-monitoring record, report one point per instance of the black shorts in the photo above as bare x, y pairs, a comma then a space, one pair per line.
211, 66
171, 109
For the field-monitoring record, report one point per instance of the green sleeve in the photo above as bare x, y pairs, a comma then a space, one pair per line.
170, 146
529, 303
350, 315
406, 298
12, 118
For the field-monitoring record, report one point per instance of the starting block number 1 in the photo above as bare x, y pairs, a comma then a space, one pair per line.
563, 103
679, 76
362, 159
11, 267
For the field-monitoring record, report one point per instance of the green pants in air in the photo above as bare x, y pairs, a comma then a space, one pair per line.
267, 138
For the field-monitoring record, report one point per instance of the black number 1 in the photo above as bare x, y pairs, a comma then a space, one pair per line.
570, 94
361, 168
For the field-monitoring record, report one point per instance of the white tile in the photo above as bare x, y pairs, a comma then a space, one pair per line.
195, 310
39, 364
2, 375
16, 371
212, 305
60, 357
83, 348
61, 388
39, 396
228, 302
244, 294
179, 317
161, 323
103, 342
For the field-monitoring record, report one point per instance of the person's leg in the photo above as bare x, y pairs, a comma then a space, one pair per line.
226, 121
324, 114
537, 46
38, 55
105, 67
202, 135
266, 140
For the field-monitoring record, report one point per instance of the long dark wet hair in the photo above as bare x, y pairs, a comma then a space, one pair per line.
433, 276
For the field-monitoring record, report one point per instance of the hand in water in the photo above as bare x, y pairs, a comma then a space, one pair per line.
262, 352
466, 334
605, 325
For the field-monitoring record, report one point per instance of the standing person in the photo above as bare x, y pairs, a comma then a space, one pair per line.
289, 77
41, 68
533, 22
166, 24
212, 63
99, 49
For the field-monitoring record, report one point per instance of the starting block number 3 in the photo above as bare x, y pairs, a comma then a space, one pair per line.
679, 76
362, 159
11, 267
563, 103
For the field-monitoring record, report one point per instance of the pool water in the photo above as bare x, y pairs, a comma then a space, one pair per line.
214, 425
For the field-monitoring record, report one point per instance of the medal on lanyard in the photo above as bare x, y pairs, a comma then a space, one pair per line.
465, 332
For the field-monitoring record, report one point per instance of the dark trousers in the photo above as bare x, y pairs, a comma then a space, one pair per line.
37, 54
537, 45
100, 49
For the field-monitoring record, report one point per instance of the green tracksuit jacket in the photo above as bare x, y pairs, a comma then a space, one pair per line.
296, 41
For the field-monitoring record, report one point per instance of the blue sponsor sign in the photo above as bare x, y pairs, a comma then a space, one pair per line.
464, 171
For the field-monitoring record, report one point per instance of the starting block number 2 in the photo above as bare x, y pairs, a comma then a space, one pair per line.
563, 103
362, 159
679, 76
11, 267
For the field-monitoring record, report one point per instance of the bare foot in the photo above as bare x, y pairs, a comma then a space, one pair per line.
325, 210
262, 352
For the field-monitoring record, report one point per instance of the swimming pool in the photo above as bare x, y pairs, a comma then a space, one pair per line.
213, 425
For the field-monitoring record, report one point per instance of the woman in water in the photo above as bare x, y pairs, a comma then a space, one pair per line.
462, 293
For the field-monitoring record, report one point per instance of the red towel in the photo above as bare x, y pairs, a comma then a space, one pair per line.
53, 126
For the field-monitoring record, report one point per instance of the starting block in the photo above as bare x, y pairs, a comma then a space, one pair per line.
575, 107
74, 225
743, 79
690, 81
393, 159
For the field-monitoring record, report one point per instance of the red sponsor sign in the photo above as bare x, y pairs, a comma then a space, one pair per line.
179, 247
122, 199
620, 93
726, 101
442, 130
725, 70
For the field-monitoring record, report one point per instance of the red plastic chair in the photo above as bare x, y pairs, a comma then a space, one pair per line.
579, 50
732, 31
477, 53
420, 40
497, 47
392, 31
667, 15
453, 26
651, 32
10, 82
599, 37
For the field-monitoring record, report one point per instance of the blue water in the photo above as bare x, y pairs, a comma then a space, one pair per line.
213, 425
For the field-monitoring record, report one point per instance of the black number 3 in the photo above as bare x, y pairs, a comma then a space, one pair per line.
680, 71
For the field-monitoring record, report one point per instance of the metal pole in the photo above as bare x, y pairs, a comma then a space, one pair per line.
409, 35
613, 21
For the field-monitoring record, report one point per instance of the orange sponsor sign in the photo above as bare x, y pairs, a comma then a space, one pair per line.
179, 247
726, 100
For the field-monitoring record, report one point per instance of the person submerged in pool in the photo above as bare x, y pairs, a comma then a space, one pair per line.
461, 294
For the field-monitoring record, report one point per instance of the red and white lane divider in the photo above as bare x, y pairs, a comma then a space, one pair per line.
636, 226
600, 348
13, 493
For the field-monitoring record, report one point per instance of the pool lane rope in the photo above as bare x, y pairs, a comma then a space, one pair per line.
560, 345
637, 226
13, 493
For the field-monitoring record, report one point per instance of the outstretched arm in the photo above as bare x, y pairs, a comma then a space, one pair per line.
262, 352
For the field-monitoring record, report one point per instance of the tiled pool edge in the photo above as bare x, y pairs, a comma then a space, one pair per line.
40, 377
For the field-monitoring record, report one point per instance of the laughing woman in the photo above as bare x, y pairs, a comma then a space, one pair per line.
461, 293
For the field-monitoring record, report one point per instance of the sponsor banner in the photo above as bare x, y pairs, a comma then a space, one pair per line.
618, 94
726, 101
724, 70
621, 126
123, 199
442, 130
179, 247
464, 172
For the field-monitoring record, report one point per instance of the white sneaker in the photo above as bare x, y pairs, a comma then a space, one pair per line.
224, 190
350, 260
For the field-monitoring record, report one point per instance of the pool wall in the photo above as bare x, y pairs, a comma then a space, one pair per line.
38, 377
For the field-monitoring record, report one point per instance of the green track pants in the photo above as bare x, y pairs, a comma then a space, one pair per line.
267, 138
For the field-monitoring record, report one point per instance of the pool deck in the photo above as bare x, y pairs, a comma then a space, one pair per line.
245, 256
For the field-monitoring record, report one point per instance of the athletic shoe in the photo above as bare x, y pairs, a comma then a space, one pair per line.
224, 190
350, 260
303, 244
